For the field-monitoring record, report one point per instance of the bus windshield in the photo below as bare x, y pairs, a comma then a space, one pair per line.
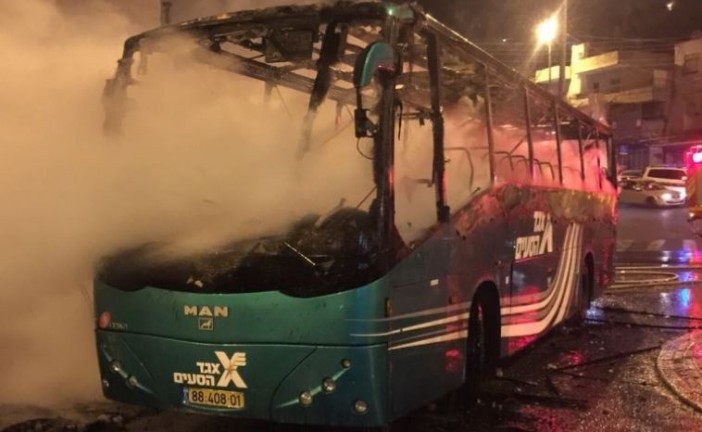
295, 71
321, 254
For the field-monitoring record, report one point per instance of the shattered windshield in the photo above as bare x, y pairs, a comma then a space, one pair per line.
319, 255
276, 101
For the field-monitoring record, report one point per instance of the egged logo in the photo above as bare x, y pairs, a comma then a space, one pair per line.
224, 373
539, 243
230, 373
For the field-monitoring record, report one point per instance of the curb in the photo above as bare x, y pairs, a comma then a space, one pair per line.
677, 365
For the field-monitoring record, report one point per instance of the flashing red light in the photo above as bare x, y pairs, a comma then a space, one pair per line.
697, 157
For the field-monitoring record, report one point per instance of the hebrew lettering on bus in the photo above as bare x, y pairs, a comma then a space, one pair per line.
220, 374
538, 243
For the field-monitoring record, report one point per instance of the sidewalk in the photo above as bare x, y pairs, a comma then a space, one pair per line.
680, 366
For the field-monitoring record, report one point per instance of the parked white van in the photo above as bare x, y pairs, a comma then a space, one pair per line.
670, 178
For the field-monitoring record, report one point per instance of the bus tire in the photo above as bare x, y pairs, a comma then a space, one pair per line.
482, 351
586, 288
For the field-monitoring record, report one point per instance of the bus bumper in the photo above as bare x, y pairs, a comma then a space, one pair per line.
303, 384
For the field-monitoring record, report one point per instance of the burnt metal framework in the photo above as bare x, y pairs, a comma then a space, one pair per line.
474, 72
237, 42
567, 121
245, 30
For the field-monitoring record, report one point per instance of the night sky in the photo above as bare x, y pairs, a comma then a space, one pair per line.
505, 28
490, 19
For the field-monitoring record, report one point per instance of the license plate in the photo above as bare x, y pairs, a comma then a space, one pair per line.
213, 398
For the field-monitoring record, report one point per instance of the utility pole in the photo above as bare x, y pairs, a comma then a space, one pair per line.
166, 12
562, 91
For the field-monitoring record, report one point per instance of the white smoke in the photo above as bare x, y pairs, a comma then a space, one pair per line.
201, 159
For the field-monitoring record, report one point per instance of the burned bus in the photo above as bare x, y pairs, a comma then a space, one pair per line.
472, 212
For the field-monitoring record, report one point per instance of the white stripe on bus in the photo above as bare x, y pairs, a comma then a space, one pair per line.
543, 298
567, 251
562, 286
572, 281
536, 327
451, 319
434, 311
461, 334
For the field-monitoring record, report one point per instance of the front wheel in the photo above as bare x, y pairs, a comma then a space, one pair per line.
651, 202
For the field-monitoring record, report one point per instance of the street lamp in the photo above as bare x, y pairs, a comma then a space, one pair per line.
546, 32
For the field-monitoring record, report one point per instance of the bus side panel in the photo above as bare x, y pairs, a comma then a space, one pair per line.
431, 291
582, 223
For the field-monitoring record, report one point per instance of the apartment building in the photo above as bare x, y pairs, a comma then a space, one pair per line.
630, 90
652, 100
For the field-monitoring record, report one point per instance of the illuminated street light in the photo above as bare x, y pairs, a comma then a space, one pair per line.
546, 32
670, 5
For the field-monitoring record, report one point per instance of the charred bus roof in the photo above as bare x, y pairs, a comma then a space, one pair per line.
369, 18
282, 16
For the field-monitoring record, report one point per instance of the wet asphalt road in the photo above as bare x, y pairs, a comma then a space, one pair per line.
599, 376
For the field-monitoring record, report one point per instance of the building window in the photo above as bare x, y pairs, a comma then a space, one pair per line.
692, 64
652, 110
615, 84
596, 86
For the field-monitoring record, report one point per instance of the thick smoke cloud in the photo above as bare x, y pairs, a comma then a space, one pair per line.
202, 159
49, 103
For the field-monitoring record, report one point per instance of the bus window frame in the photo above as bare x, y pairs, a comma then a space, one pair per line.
581, 149
559, 139
599, 158
530, 140
489, 123
443, 212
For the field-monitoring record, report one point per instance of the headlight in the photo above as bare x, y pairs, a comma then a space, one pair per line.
666, 196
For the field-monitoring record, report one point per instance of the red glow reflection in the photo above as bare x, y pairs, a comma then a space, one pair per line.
454, 360
518, 344
573, 358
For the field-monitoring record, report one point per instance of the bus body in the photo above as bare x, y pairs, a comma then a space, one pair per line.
491, 220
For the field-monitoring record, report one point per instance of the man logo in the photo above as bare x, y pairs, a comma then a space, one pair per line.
206, 315
206, 311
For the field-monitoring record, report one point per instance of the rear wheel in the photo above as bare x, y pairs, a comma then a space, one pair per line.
586, 289
483, 344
